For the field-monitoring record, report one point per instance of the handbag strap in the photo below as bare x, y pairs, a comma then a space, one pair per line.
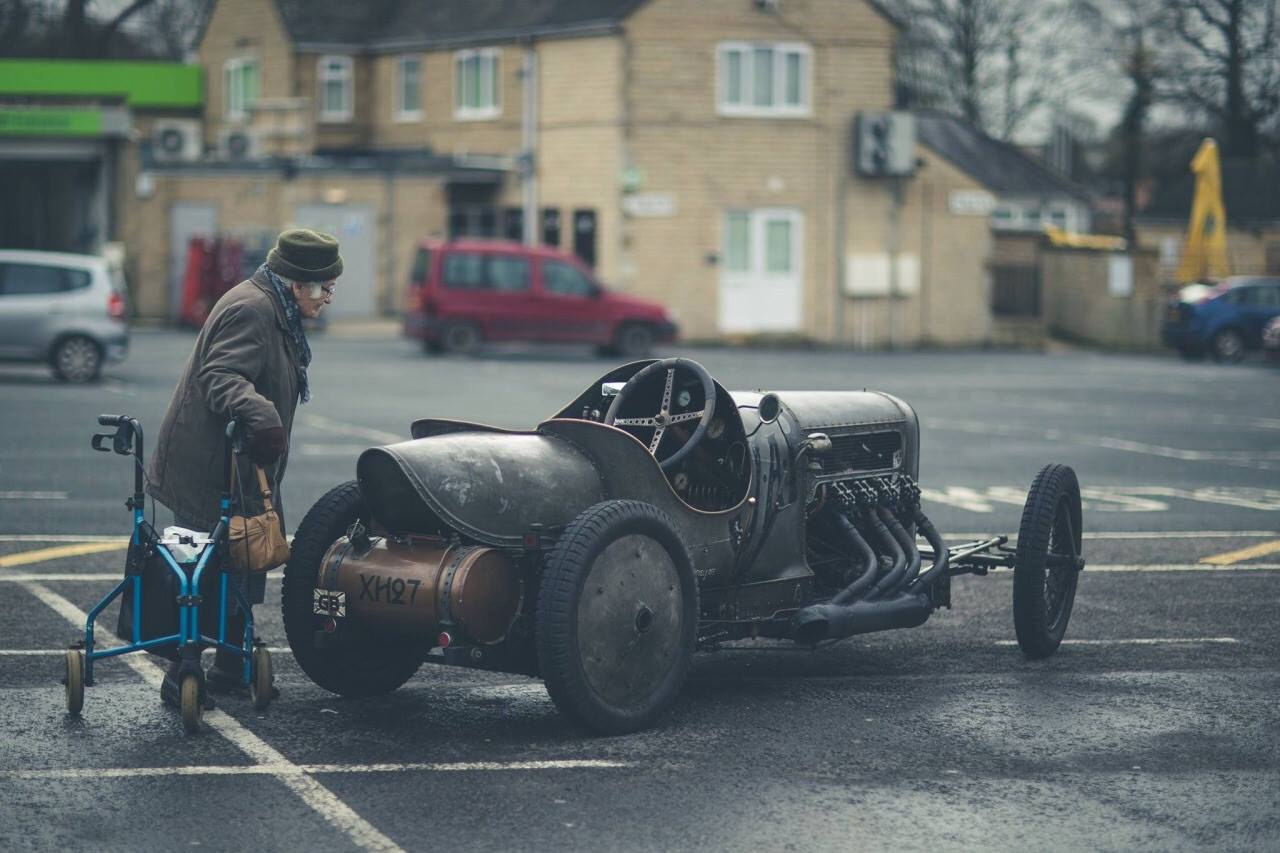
264, 485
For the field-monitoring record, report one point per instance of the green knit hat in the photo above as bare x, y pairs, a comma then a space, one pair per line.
305, 255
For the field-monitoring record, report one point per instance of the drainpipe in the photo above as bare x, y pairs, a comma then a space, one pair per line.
529, 143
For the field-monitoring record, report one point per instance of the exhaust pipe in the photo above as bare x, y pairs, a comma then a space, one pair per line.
819, 622
890, 580
870, 562
907, 541
942, 554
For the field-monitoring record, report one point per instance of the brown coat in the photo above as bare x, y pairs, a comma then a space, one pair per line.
243, 366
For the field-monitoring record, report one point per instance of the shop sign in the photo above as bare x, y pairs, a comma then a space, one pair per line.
50, 122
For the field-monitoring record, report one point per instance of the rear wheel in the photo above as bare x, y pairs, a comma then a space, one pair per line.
1048, 561
634, 340
1228, 346
460, 338
617, 617
75, 680
76, 359
354, 661
261, 691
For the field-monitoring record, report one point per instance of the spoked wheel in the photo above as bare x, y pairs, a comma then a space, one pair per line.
617, 617
190, 703
75, 680
460, 338
77, 359
353, 661
1048, 561
260, 683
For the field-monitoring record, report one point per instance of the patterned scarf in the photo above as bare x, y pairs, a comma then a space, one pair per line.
284, 295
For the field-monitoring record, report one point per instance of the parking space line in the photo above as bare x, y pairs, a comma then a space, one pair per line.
321, 800
58, 552
1141, 641
1182, 567
1231, 557
1131, 534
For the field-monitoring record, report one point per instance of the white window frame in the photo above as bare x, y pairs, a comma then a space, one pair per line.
398, 110
781, 50
232, 72
465, 113
346, 76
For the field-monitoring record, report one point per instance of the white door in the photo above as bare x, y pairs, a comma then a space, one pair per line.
187, 219
353, 225
761, 272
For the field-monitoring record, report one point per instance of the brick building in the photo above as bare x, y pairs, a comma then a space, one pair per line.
694, 152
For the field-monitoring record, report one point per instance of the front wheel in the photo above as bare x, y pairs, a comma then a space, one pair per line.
634, 340
354, 661
261, 689
75, 681
1048, 561
617, 617
191, 704
460, 338
1228, 346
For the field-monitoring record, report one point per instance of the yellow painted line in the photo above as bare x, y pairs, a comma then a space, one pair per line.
1260, 550
41, 555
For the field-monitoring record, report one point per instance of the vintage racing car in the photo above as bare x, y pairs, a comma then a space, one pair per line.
654, 515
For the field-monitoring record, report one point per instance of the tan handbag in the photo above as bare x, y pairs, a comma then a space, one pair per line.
257, 542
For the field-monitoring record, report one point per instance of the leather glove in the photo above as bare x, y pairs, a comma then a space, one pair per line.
266, 445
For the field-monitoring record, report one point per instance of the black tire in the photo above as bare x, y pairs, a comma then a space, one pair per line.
619, 581
354, 662
261, 690
1044, 590
76, 358
74, 661
634, 340
460, 337
191, 703
1228, 346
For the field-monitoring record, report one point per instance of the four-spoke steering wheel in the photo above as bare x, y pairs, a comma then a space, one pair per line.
664, 418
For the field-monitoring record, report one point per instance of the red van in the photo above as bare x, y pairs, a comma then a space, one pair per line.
466, 292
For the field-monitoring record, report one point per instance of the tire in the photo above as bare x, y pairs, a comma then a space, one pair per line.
76, 359
1043, 593
618, 582
74, 661
260, 685
356, 662
634, 340
1227, 346
460, 338
191, 704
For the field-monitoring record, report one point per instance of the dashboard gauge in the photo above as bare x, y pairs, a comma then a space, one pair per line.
683, 398
681, 481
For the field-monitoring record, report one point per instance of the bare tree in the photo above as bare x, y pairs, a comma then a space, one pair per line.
1230, 67
994, 62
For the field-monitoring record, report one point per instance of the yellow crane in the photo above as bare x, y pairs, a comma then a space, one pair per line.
1204, 251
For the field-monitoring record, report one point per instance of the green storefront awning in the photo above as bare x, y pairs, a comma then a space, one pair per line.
169, 85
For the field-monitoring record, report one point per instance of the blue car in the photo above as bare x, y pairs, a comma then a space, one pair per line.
1224, 321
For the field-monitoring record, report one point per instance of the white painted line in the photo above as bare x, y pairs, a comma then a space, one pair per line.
1141, 641
272, 770
58, 537
275, 650
335, 427
41, 577
33, 496
1136, 534
321, 800
351, 450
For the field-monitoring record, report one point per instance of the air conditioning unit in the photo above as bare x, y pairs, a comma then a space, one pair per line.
177, 140
238, 143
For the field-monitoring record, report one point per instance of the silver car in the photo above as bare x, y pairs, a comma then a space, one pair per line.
66, 310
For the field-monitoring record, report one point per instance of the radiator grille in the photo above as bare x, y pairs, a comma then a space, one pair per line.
871, 451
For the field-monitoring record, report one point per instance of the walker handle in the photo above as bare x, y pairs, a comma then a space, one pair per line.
112, 420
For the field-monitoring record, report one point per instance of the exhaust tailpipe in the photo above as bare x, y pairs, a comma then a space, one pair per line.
819, 622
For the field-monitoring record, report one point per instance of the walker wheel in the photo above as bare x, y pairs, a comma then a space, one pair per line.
75, 680
260, 691
189, 700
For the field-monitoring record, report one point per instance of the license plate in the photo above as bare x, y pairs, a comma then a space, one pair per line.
330, 602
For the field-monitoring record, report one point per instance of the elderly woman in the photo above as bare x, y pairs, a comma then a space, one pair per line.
249, 363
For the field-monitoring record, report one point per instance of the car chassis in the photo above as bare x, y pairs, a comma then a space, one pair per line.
655, 515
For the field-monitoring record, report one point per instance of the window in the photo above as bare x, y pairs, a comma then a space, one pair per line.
763, 79
737, 242
240, 82
475, 84
408, 106
335, 88
563, 280
474, 271
38, 279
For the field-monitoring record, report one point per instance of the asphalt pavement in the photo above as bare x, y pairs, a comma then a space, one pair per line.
1155, 727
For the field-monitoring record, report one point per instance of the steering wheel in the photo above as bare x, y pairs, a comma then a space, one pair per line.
664, 418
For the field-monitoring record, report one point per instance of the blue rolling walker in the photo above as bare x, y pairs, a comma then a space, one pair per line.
213, 556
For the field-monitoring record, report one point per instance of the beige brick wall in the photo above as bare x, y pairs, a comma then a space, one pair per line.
1249, 252
250, 203
244, 28
1077, 303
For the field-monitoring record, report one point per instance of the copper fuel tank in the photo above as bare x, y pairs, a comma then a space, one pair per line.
421, 587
